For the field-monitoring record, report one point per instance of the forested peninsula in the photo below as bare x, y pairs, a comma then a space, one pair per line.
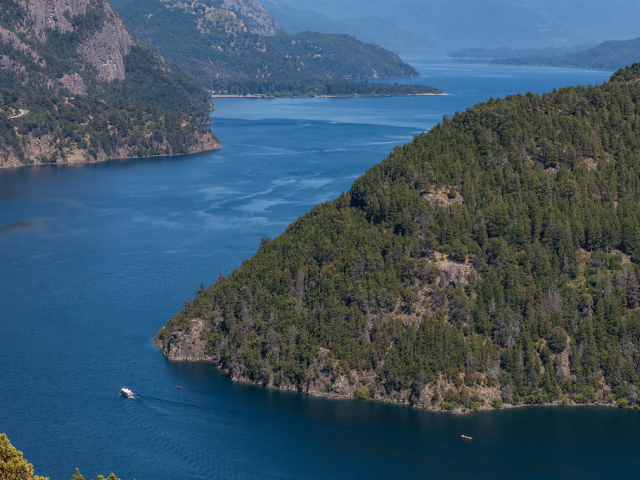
233, 58
77, 86
492, 261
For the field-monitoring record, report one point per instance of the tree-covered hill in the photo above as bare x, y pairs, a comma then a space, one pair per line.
609, 55
493, 259
215, 46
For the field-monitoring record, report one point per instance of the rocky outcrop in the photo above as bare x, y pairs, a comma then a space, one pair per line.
254, 16
89, 56
105, 50
48, 150
73, 83
11, 39
52, 14
187, 345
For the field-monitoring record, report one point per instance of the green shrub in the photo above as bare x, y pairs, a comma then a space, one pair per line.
589, 393
564, 401
558, 340
448, 406
496, 403
623, 402
474, 405
452, 396
363, 393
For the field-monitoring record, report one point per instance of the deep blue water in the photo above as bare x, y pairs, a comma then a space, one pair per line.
94, 259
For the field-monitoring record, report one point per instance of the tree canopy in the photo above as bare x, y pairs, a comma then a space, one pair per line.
500, 249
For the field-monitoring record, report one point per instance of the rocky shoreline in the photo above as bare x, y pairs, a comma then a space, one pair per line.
39, 149
189, 346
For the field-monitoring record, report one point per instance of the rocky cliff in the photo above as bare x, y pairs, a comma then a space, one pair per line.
54, 52
75, 47
252, 14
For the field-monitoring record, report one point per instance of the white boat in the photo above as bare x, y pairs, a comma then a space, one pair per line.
126, 392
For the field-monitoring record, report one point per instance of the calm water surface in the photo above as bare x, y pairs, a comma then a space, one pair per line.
95, 259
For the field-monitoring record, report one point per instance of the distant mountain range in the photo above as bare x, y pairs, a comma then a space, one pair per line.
443, 26
507, 52
609, 55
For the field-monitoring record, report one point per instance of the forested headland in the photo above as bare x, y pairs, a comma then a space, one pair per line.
215, 46
491, 261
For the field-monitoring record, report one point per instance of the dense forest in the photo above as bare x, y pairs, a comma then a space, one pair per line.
491, 260
215, 46
610, 55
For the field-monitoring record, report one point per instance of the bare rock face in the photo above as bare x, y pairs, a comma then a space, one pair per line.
51, 14
11, 39
73, 83
188, 345
103, 48
254, 16
7, 64
106, 49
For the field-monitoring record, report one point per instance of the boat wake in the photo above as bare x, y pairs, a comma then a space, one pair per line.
172, 402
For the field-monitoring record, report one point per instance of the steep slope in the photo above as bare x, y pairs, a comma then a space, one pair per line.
215, 46
53, 53
341, 56
495, 257
609, 55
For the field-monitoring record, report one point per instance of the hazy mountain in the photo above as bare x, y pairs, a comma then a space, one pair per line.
609, 55
506, 52
457, 24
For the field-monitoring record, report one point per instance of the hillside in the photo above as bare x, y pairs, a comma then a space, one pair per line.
493, 259
610, 55
214, 45
70, 65
443, 26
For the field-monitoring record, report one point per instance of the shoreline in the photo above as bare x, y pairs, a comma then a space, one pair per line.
430, 408
329, 96
108, 159
333, 395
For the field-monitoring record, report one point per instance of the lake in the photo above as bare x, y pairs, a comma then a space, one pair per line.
94, 259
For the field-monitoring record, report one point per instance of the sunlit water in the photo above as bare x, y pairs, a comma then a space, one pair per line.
95, 259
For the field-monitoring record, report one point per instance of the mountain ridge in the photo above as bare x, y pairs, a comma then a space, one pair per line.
609, 55
218, 48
